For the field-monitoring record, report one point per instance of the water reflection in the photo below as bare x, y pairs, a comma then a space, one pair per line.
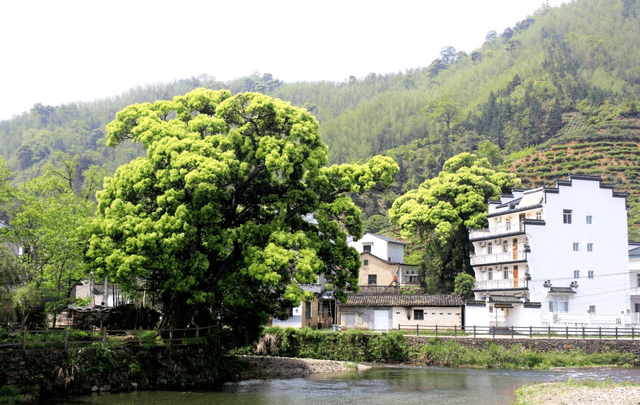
405, 385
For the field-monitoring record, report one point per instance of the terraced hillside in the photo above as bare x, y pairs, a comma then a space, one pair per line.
610, 149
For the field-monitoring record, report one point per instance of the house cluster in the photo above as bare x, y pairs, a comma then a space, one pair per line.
551, 256
380, 303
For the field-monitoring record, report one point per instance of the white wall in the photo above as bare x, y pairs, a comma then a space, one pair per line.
393, 252
552, 256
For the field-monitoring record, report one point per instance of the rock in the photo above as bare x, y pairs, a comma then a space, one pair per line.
94, 388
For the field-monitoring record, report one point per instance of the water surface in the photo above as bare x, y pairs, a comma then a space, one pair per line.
393, 385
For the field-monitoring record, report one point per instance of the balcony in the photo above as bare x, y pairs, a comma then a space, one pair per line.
502, 229
378, 289
501, 257
500, 284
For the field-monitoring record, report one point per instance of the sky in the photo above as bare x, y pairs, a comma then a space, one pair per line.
58, 52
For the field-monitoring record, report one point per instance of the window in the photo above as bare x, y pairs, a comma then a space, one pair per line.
505, 247
505, 274
508, 225
576, 245
589, 219
366, 248
576, 274
373, 279
637, 307
638, 276
489, 248
589, 247
366, 262
538, 214
592, 309
490, 274
566, 216
559, 303
290, 312
590, 274
418, 315
307, 311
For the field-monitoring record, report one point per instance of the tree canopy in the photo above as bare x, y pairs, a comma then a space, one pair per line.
231, 210
439, 213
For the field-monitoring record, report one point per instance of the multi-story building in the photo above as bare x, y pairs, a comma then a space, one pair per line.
382, 267
553, 256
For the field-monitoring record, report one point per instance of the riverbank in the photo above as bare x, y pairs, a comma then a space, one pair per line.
579, 392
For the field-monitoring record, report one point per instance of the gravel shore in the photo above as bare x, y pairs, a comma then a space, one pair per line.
577, 393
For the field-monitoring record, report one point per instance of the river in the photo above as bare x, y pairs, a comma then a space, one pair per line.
387, 385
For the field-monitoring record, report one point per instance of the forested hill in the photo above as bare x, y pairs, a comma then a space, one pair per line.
524, 88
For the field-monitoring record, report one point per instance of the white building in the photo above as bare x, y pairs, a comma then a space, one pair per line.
553, 256
380, 246
382, 264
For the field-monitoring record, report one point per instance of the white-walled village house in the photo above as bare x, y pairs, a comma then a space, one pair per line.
553, 256
382, 267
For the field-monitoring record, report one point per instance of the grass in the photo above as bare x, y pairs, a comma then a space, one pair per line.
569, 391
438, 352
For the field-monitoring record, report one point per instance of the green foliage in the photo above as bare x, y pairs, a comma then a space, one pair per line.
451, 354
439, 213
351, 345
463, 285
216, 219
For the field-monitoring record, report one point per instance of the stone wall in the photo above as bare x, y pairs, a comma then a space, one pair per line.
542, 344
81, 371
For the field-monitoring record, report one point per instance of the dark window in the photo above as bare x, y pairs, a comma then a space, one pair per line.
638, 275
307, 312
290, 312
589, 247
589, 219
418, 315
566, 216
637, 306
576, 246
592, 309
576, 274
366, 248
373, 279
366, 262
590, 274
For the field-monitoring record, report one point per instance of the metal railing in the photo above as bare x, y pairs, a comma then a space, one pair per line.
530, 332
502, 283
66, 338
501, 257
501, 229
379, 289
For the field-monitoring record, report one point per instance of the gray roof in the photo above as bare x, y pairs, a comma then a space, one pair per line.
399, 300
387, 239
505, 298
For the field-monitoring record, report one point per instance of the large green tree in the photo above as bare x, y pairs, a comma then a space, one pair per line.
438, 214
48, 233
231, 210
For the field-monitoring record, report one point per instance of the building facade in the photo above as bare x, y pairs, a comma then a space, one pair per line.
382, 268
386, 312
553, 256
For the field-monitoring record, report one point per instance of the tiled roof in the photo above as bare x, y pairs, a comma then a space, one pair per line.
403, 301
562, 290
504, 298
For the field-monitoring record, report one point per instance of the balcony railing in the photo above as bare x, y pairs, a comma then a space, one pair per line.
501, 257
379, 289
502, 283
501, 229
